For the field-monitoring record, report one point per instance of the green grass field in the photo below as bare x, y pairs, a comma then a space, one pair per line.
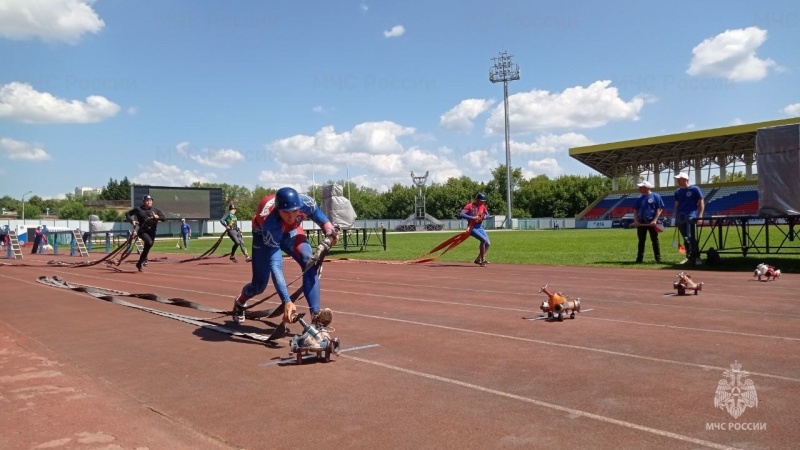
569, 247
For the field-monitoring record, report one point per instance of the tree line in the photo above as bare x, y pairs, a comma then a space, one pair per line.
540, 196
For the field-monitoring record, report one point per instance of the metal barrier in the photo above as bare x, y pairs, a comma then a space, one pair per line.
353, 238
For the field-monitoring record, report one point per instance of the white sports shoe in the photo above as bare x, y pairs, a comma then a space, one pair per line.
238, 311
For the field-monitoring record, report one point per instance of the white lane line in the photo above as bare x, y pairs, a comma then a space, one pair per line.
624, 302
575, 412
569, 346
536, 341
705, 330
583, 299
503, 308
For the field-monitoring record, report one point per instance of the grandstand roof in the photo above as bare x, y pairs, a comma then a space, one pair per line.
735, 143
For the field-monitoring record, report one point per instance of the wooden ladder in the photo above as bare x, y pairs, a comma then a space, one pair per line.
16, 251
76, 234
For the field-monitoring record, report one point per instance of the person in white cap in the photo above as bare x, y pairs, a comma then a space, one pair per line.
646, 211
689, 207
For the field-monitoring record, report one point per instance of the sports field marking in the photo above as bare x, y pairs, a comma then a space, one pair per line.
501, 308
574, 412
532, 311
705, 330
602, 300
593, 299
506, 337
569, 346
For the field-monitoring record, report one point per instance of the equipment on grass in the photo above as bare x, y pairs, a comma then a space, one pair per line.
559, 304
313, 340
765, 270
685, 282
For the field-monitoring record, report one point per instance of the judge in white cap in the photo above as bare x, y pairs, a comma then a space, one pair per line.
689, 206
646, 211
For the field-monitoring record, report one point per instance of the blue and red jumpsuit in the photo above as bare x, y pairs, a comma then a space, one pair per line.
271, 236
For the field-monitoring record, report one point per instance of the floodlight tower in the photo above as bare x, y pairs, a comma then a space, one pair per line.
504, 70
23, 206
419, 200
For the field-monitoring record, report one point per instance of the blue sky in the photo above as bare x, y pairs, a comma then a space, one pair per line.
285, 93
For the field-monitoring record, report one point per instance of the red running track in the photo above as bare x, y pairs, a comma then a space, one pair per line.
445, 361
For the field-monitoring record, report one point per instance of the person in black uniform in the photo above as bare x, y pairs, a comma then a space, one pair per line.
145, 219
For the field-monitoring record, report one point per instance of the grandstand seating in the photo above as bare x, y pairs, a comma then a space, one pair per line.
725, 200
733, 200
603, 206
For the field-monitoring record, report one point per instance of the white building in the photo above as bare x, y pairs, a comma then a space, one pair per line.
81, 191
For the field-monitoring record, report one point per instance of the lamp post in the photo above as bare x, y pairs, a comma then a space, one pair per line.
504, 70
23, 206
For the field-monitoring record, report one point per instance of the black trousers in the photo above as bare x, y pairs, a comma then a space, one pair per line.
642, 233
148, 239
688, 230
236, 237
37, 241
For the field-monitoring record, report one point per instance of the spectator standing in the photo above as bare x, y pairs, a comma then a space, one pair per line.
689, 207
186, 231
646, 212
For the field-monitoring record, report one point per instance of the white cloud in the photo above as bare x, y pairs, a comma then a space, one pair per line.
546, 166
732, 55
481, 162
21, 103
550, 143
49, 20
364, 7
576, 107
279, 179
319, 109
218, 158
183, 149
372, 151
23, 151
369, 138
792, 110
160, 174
396, 31
461, 116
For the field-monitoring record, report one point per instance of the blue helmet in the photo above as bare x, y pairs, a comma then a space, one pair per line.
287, 199
480, 196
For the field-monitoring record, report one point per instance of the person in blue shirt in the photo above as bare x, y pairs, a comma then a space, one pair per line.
689, 207
277, 228
186, 231
475, 213
646, 212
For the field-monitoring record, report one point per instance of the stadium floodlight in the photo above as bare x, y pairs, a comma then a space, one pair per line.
23, 206
504, 70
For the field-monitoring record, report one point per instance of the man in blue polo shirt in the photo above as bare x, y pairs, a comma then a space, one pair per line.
689, 207
646, 211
